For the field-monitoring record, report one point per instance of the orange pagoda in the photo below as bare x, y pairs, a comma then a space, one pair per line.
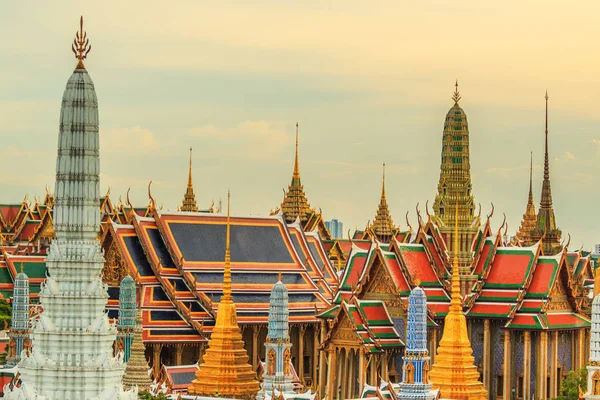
454, 371
225, 371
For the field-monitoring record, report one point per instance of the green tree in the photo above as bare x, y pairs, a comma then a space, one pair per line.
5, 313
145, 395
575, 380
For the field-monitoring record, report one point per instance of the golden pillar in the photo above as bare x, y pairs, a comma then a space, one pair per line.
384, 367
255, 333
315, 356
331, 374
542, 366
322, 366
506, 390
301, 332
486, 354
553, 364
201, 349
156, 348
178, 353
526, 365
362, 373
433, 350
580, 349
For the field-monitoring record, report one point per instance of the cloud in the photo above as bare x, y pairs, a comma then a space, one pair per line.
121, 140
248, 138
569, 155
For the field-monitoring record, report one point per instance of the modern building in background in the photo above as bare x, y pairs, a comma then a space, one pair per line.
336, 228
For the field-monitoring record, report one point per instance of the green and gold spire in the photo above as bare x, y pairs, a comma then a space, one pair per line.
454, 187
382, 225
295, 205
189, 198
529, 221
546, 229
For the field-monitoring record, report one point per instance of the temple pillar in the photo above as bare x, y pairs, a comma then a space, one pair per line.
315, 355
331, 374
156, 349
507, 388
362, 373
553, 364
255, 333
526, 365
322, 366
542, 366
384, 367
178, 352
201, 350
486, 354
351, 368
433, 350
580, 349
301, 332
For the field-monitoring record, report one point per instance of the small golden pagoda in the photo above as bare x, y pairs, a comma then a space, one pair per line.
225, 371
383, 226
136, 373
189, 198
454, 371
295, 205
529, 221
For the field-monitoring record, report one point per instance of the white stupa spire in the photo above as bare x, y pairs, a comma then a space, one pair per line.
72, 355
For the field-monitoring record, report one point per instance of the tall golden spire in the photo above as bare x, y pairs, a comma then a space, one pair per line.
189, 198
454, 371
382, 225
546, 221
455, 187
529, 218
227, 270
225, 370
81, 45
295, 205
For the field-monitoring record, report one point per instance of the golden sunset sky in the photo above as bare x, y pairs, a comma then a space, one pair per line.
369, 82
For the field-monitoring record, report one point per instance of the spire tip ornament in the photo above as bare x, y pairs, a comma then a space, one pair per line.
456, 95
81, 45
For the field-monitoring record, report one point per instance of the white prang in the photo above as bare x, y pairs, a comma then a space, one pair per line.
593, 368
72, 356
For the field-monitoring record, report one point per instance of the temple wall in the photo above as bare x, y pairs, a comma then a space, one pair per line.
497, 362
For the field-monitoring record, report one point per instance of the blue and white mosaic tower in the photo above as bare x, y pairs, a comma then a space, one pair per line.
278, 347
19, 327
416, 361
127, 316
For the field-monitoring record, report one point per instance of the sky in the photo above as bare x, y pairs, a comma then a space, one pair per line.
368, 82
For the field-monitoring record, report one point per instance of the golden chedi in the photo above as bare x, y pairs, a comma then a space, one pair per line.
225, 371
454, 371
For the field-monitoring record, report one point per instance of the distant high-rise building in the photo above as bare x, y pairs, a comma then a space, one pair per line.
335, 228
597, 248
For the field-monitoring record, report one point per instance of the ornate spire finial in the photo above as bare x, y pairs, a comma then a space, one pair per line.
296, 165
279, 276
81, 45
21, 266
546, 166
190, 170
383, 183
227, 270
456, 96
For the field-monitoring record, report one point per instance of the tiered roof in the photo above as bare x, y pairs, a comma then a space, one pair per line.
295, 205
529, 221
